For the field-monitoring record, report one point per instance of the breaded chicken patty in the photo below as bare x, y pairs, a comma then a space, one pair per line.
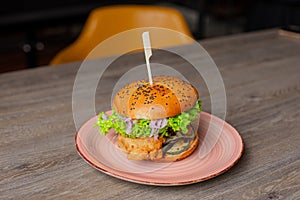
144, 148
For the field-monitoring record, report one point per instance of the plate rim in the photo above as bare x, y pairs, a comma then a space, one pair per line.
178, 183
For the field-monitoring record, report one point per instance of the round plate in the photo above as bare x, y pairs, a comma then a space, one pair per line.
220, 147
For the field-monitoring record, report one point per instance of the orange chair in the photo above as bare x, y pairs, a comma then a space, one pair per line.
108, 21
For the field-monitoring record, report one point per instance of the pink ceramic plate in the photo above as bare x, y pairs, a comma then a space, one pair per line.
219, 149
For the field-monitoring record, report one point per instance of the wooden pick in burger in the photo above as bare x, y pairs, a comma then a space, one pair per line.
148, 54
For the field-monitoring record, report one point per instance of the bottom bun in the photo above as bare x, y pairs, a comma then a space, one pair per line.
147, 148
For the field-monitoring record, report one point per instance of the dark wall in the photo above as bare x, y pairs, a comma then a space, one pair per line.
265, 14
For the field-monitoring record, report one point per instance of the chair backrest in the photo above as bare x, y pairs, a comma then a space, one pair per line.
108, 21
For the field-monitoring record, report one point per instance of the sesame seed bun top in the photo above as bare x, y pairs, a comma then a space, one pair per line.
167, 97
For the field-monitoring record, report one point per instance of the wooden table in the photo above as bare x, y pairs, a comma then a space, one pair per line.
261, 73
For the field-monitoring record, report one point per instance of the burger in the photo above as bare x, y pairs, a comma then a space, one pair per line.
155, 122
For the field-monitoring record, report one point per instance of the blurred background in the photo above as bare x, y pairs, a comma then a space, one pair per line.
34, 31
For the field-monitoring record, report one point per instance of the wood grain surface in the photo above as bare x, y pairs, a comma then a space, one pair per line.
261, 74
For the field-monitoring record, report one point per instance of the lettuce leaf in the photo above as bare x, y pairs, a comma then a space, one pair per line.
141, 127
